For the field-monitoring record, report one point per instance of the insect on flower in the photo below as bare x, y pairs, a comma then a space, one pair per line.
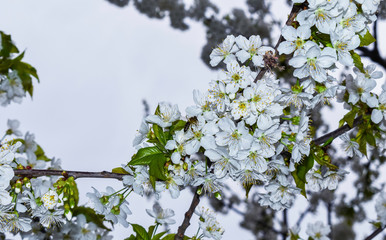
191, 121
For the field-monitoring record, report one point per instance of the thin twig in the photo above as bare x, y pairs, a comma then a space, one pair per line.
329, 218
188, 215
66, 174
375, 233
285, 224
291, 17
337, 132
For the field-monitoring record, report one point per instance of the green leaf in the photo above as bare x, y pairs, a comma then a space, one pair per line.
329, 141
145, 155
361, 140
177, 126
156, 167
299, 183
141, 232
159, 134
91, 216
367, 39
152, 181
25, 71
150, 230
303, 168
132, 237
7, 46
370, 139
357, 61
159, 235
40, 154
172, 235
119, 170
350, 117
169, 237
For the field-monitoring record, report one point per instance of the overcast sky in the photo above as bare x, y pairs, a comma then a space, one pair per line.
96, 63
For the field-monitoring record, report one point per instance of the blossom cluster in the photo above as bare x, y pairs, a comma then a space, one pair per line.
250, 129
247, 128
30, 203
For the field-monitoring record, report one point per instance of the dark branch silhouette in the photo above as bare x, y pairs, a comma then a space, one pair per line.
336, 133
375, 233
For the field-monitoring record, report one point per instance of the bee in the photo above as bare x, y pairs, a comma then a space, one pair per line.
191, 121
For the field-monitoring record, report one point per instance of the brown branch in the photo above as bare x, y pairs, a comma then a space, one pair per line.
337, 132
291, 18
375, 233
66, 174
188, 215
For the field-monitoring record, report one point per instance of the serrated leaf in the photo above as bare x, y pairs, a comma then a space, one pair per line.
159, 235
177, 126
7, 46
370, 139
159, 134
150, 230
172, 236
169, 236
367, 39
350, 117
91, 216
304, 167
152, 181
141, 232
357, 61
119, 170
299, 183
145, 155
132, 237
156, 167
40, 155
361, 140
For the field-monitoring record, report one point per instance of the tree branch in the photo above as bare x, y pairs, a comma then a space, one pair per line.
66, 174
374, 54
285, 224
337, 132
329, 218
375, 233
291, 17
188, 215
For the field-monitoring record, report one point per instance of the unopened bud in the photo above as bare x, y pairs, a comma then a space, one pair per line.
218, 195
68, 214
